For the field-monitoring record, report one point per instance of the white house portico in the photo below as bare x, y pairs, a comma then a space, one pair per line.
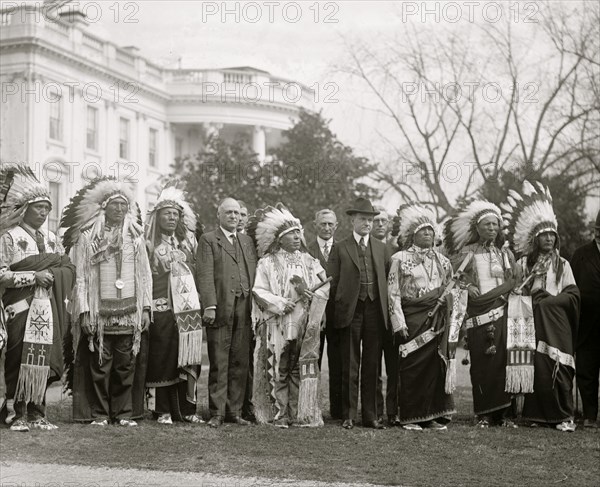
75, 104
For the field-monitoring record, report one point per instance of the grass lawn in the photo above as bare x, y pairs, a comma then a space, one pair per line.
460, 456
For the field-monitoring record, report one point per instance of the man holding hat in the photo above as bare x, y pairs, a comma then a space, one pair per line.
358, 267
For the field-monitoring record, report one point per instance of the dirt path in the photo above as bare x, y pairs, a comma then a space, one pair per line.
33, 474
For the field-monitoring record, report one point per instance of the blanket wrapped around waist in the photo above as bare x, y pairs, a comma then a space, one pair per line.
36, 335
424, 360
556, 320
487, 348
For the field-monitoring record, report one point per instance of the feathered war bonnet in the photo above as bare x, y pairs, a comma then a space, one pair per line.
412, 217
18, 189
529, 213
461, 229
171, 197
269, 224
86, 210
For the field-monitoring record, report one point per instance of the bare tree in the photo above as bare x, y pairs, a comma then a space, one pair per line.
468, 102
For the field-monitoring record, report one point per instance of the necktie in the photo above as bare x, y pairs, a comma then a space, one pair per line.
173, 243
39, 240
363, 247
234, 243
326, 251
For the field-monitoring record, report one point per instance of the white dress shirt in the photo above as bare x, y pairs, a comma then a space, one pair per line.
357, 237
322, 243
228, 234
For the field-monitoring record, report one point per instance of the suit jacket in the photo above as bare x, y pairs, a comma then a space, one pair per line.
216, 263
315, 251
345, 286
586, 270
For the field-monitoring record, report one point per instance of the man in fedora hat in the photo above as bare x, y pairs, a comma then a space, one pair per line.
358, 266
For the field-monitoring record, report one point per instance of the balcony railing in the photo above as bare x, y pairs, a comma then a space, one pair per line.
246, 85
236, 78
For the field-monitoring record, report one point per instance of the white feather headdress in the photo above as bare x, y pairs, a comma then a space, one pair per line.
171, 197
413, 217
18, 188
529, 213
86, 210
461, 229
268, 224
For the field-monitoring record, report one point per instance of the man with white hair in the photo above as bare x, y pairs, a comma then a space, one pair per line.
226, 264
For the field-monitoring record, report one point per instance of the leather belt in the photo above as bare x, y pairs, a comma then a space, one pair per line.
14, 309
485, 318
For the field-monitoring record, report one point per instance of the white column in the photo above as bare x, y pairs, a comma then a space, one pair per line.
33, 122
166, 153
259, 142
139, 157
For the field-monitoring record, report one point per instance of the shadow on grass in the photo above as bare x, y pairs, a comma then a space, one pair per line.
460, 456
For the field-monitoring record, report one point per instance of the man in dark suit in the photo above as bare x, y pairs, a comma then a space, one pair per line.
241, 226
247, 408
358, 266
325, 224
390, 349
586, 270
226, 263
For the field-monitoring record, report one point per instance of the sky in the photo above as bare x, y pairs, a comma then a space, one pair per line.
302, 41
307, 41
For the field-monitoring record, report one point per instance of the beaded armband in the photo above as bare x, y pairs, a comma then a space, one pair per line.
23, 279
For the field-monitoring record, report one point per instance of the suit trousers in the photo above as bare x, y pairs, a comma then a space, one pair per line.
367, 326
334, 362
113, 378
587, 367
228, 354
390, 357
248, 408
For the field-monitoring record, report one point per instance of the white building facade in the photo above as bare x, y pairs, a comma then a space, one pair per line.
75, 106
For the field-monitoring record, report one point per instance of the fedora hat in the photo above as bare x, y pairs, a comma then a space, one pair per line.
362, 205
